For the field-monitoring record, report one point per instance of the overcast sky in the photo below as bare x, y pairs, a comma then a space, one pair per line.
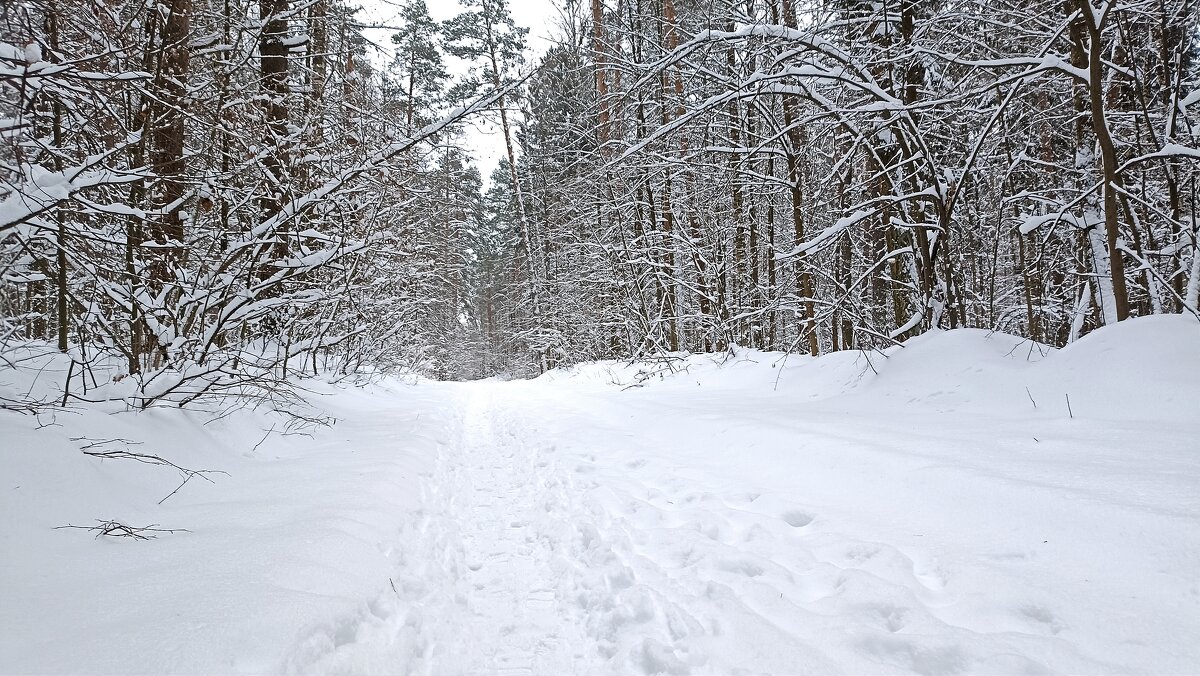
485, 140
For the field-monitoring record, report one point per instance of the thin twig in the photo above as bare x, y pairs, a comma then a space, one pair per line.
67, 385
114, 528
147, 458
260, 441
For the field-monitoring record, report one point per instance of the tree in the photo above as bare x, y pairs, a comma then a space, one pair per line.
486, 33
417, 63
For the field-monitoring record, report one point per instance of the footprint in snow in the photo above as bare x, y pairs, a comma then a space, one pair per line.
1042, 616
797, 519
741, 566
892, 617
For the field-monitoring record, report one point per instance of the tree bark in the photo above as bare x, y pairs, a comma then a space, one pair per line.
1108, 156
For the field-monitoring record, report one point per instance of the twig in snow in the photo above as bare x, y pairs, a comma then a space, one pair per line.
41, 425
260, 441
22, 407
867, 355
1030, 395
67, 385
147, 458
779, 372
184, 483
114, 528
1033, 345
1069, 411
96, 443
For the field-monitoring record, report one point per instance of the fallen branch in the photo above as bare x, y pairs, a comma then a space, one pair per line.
116, 529
148, 458
22, 407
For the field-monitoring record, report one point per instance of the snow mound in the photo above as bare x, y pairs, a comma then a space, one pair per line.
738, 368
1141, 369
290, 543
1145, 368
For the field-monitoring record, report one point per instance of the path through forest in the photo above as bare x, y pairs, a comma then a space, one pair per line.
510, 510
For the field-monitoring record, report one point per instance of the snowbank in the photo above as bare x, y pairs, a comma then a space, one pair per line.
1146, 368
293, 543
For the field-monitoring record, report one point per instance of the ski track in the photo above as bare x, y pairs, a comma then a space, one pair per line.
530, 557
509, 510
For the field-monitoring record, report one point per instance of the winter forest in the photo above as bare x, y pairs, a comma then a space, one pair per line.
785, 336
214, 194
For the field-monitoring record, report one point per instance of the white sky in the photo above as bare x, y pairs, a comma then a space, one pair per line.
539, 16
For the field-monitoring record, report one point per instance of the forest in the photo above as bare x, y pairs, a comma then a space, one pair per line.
661, 337
205, 196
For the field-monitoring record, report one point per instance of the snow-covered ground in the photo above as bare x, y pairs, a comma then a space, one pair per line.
970, 503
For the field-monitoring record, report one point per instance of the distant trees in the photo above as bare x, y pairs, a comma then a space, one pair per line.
417, 67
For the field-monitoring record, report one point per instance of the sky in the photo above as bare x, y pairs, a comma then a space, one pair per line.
539, 16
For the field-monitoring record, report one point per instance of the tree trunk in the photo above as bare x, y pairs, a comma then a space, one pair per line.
167, 146
1108, 156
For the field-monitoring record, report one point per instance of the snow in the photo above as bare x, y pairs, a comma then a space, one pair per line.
936, 508
33, 52
46, 188
1031, 222
828, 234
11, 52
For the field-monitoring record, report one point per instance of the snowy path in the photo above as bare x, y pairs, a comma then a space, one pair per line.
508, 509
485, 568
